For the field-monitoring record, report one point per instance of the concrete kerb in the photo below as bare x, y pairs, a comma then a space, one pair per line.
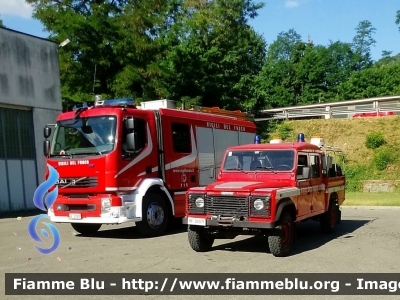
371, 207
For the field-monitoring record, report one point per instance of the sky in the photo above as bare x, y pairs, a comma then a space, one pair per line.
322, 20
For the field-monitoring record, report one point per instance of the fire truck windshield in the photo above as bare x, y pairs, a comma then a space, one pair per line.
84, 136
267, 160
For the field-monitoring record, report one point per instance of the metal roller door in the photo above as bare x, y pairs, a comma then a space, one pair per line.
18, 173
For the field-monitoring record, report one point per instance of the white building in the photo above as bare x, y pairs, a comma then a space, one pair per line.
30, 98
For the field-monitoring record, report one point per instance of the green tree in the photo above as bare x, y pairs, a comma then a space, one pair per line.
117, 42
362, 43
275, 85
1, 23
284, 45
218, 54
372, 82
386, 54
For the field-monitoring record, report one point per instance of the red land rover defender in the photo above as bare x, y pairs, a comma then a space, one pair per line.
265, 189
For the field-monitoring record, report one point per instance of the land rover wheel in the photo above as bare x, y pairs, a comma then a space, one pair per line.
329, 219
155, 216
86, 228
281, 245
199, 239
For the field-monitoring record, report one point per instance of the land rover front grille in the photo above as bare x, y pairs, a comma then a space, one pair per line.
227, 206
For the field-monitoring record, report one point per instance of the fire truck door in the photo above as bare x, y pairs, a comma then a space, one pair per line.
316, 181
304, 200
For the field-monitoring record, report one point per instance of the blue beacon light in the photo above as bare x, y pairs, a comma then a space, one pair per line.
300, 138
257, 139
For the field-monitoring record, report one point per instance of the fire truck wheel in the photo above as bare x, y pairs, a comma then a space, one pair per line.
199, 240
155, 216
86, 228
329, 219
281, 245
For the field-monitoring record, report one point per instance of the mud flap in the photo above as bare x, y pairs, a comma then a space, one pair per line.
338, 216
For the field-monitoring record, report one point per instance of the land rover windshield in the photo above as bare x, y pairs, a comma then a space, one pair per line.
84, 136
266, 160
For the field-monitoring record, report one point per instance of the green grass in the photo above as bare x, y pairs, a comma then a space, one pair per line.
372, 199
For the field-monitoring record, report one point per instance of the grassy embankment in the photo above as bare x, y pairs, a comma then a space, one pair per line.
377, 160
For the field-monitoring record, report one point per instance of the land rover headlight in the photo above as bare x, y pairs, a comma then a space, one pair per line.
105, 205
199, 202
258, 204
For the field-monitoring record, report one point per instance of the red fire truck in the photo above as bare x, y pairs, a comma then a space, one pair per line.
265, 189
120, 163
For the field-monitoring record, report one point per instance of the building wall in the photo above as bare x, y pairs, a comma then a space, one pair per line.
30, 96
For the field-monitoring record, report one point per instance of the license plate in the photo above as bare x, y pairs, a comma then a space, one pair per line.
75, 216
197, 221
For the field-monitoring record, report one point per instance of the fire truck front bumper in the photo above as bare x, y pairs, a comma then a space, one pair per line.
114, 217
226, 222
94, 220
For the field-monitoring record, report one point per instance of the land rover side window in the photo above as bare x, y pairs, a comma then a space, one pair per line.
181, 138
302, 161
140, 137
315, 166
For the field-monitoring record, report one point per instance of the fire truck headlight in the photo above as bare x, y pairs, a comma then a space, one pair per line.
199, 202
105, 205
258, 204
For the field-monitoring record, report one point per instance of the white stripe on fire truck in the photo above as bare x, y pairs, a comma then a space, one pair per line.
141, 156
287, 192
334, 189
124, 188
155, 169
187, 159
291, 192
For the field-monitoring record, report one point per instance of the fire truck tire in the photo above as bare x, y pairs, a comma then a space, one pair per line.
329, 219
155, 216
86, 228
199, 240
281, 245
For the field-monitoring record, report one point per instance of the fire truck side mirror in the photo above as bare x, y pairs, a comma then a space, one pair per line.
306, 172
130, 142
129, 124
47, 132
46, 147
212, 173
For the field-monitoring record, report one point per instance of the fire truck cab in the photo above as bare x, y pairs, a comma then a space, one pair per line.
120, 163
265, 189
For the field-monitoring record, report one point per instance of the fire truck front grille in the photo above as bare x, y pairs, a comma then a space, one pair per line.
77, 182
227, 206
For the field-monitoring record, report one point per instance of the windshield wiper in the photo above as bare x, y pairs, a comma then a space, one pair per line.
236, 169
61, 155
87, 153
267, 168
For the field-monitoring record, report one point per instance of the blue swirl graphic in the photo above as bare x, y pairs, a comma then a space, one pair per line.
43, 188
35, 236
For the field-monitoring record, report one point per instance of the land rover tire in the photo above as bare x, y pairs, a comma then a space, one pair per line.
155, 216
282, 244
84, 228
329, 219
199, 239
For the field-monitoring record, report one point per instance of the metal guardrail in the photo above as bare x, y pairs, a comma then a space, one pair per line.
340, 109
